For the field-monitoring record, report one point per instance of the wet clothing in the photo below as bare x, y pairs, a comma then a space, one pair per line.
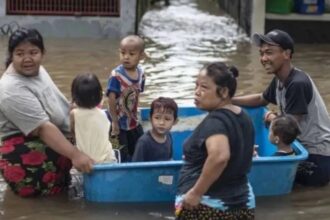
298, 95
314, 171
231, 191
148, 149
207, 212
127, 92
92, 129
31, 168
27, 164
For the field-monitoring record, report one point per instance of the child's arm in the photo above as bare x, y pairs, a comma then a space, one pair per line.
113, 114
113, 90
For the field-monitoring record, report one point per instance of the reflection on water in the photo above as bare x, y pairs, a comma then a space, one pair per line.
180, 39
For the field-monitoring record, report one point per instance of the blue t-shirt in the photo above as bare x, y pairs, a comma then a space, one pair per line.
127, 92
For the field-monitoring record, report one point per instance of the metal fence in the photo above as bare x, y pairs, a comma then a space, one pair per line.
64, 7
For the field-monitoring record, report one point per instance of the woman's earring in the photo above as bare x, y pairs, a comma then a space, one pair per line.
276, 140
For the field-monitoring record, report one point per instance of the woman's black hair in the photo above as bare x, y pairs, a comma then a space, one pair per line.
23, 35
86, 90
286, 128
223, 76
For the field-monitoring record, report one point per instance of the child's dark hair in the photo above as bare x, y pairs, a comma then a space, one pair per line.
286, 128
22, 35
167, 104
86, 90
223, 76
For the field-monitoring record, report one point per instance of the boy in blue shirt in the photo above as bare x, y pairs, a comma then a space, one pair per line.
124, 86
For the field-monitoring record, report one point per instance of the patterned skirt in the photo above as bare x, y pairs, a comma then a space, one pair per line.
209, 213
214, 209
31, 168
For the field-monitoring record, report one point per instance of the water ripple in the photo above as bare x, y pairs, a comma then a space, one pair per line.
180, 39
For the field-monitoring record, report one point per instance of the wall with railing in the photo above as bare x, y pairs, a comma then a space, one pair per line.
63, 7
71, 18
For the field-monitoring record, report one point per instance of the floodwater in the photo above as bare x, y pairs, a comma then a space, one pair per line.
180, 39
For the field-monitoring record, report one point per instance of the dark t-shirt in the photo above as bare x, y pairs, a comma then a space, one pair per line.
147, 149
298, 95
299, 85
232, 183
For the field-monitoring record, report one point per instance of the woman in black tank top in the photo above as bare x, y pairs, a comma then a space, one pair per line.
213, 181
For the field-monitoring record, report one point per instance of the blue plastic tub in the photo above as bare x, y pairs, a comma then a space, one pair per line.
156, 181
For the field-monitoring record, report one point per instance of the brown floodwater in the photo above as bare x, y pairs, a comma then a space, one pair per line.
180, 39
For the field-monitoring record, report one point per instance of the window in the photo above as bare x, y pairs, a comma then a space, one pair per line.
64, 7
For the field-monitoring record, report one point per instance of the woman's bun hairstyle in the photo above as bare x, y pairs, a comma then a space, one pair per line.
234, 71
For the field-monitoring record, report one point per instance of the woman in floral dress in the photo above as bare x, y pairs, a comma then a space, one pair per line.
36, 156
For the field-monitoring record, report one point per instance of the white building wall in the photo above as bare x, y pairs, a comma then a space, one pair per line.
127, 16
258, 16
2, 8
